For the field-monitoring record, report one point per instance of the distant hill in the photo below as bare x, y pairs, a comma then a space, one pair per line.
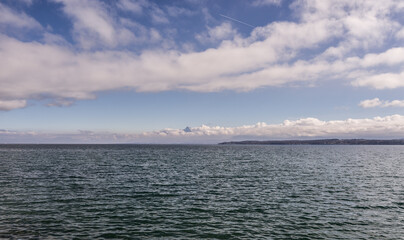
321, 142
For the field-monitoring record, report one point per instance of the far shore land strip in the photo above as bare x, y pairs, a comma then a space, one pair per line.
320, 142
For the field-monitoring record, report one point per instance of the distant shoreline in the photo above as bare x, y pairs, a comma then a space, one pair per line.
319, 142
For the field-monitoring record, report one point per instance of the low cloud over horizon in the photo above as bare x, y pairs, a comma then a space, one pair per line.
388, 127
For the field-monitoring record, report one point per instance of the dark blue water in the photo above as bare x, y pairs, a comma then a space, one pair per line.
201, 192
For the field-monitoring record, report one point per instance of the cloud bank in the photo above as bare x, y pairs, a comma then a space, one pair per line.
306, 128
347, 41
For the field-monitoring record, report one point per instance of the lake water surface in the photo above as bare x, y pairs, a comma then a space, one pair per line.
201, 192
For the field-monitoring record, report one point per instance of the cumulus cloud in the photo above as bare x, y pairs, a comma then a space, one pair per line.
370, 103
389, 126
306, 128
394, 103
376, 102
347, 41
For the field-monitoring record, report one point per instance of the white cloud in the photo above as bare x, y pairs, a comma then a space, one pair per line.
12, 104
306, 128
158, 15
400, 34
12, 18
155, 35
218, 33
381, 81
370, 103
364, 24
394, 103
53, 39
132, 6
379, 127
376, 102
56, 71
273, 55
266, 2
153, 10
94, 26
302, 128
391, 57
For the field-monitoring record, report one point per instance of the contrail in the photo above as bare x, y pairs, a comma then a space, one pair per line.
237, 20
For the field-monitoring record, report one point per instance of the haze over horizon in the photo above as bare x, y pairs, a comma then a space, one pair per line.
142, 71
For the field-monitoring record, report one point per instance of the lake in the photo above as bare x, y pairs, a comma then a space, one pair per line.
201, 192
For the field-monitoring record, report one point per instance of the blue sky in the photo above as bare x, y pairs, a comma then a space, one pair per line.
139, 71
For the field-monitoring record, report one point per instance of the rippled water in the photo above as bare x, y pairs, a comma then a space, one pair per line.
193, 192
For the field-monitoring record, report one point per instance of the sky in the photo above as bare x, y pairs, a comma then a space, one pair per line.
200, 71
